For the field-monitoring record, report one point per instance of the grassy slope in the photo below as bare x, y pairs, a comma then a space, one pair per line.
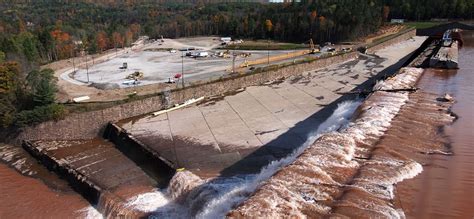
423, 25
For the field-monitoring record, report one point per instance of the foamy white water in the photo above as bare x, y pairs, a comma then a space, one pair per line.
189, 196
308, 186
219, 207
148, 202
214, 199
90, 213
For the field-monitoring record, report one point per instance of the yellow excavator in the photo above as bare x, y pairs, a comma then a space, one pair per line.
312, 48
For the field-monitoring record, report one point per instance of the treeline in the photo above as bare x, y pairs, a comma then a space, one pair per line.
46, 31
422, 10
34, 32
49, 30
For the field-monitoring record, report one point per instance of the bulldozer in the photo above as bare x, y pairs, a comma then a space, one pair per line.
135, 76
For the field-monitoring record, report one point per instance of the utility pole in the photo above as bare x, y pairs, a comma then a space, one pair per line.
268, 52
87, 69
73, 64
234, 56
182, 68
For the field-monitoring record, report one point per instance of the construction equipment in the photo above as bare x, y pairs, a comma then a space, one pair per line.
312, 48
124, 66
135, 76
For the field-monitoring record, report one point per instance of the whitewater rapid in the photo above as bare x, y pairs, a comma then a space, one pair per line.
310, 178
340, 175
188, 196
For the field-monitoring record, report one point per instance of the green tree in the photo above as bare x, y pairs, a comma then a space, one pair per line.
42, 86
2, 57
28, 44
9, 72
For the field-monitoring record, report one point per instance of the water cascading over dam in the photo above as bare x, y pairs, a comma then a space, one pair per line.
312, 184
229, 144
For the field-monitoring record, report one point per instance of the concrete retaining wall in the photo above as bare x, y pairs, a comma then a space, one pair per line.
91, 124
401, 38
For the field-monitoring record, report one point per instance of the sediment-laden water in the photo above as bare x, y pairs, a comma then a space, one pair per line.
188, 196
415, 160
341, 174
445, 189
26, 197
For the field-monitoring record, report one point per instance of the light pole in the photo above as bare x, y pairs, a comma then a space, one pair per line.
182, 68
87, 69
234, 56
73, 64
268, 52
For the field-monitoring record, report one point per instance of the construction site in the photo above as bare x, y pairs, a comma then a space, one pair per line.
172, 63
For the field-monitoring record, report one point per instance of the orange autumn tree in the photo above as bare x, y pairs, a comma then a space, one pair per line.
128, 38
268, 27
117, 40
386, 13
102, 41
64, 46
136, 29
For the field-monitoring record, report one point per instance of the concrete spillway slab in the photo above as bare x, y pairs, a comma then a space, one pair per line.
97, 170
300, 99
283, 109
227, 126
260, 123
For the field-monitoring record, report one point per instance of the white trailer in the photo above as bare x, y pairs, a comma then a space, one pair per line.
201, 54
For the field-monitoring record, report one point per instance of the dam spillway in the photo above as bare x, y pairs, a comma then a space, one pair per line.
244, 131
223, 136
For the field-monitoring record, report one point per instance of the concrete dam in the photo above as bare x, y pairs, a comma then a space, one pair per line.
223, 140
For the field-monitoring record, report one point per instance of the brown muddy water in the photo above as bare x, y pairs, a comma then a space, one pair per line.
26, 197
423, 131
445, 188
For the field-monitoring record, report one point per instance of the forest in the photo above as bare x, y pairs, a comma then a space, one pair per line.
49, 30
46, 31
36, 32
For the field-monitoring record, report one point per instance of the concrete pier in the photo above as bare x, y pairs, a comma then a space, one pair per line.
242, 132
446, 57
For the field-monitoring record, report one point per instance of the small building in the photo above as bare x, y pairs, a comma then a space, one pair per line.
226, 39
397, 21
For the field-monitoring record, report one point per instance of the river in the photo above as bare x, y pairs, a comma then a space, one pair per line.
26, 197
445, 188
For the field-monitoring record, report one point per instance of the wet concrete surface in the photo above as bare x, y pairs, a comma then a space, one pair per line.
262, 123
97, 170
238, 133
